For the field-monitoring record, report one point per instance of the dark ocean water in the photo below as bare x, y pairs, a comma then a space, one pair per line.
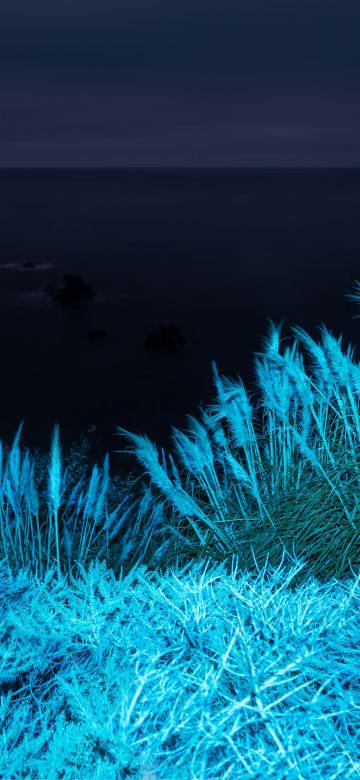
214, 252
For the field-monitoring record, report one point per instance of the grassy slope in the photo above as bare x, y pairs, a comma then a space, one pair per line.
248, 485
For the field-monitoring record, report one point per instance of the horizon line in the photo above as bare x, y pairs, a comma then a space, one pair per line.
44, 168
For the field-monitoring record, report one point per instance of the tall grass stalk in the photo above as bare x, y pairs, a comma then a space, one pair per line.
56, 487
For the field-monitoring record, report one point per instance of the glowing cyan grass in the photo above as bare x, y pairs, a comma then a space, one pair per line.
193, 675
206, 657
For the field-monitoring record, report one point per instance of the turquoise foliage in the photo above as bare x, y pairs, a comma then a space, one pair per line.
199, 620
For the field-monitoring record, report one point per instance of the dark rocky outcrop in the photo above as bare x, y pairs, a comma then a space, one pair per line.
167, 336
73, 293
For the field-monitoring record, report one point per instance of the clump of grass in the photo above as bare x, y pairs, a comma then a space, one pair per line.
52, 514
281, 473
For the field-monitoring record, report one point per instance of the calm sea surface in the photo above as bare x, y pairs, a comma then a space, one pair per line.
214, 252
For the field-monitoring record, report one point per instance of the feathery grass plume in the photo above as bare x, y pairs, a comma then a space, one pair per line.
91, 496
11, 525
56, 477
12, 492
56, 487
278, 377
294, 365
214, 427
339, 361
242, 476
233, 405
301, 395
30, 509
271, 342
324, 383
220, 445
233, 390
15, 508
187, 507
87, 527
235, 412
13, 461
202, 441
235, 409
198, 458
346, 384
94, 507
319, 364
275, 387
302, 398
25, 476
272, 378
147, 454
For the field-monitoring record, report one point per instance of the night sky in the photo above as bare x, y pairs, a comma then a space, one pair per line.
179, 83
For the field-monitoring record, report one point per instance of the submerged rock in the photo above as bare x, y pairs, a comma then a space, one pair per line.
167, 336
32, 264
74, 292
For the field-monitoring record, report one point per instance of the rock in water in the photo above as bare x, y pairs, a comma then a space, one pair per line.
74, 292
31, 264
167, 336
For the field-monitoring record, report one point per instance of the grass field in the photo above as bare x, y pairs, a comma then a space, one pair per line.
201, 618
